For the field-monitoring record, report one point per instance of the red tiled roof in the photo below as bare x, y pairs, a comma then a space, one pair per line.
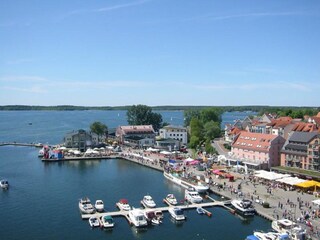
318, 115
253, 141
304, 127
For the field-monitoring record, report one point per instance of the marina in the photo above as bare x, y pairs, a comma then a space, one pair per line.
123, 213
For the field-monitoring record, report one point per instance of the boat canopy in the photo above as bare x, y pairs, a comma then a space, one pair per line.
124, 201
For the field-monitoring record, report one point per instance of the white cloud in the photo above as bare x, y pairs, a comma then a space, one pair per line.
115, 7
23, 79
33, 89
246, 15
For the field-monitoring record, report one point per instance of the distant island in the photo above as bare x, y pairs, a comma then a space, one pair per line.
156, 108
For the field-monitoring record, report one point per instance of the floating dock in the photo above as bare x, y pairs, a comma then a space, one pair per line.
122, 213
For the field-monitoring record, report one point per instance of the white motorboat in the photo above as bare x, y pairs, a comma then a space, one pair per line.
4, 184
244, 206
85, 206
192, 196
271, 236
123, 205
148, 201
170, 198
137, 218
200, 210
99, 206
107, 221
177, 213
94, 222
295, 231
184, 182
152, 217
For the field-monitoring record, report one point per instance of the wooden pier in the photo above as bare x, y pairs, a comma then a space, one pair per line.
122, 213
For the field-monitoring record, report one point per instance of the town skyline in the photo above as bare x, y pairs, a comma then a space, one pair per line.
159, 53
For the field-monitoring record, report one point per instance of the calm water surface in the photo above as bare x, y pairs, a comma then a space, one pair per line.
42, 202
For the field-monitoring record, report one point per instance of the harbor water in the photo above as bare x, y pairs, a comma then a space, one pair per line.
42, 202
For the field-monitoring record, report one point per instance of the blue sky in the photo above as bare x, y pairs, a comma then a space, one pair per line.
160, 52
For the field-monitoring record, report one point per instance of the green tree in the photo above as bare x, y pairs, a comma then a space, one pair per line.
99, 128
210, 114
208, 147
189, 114
194, 142
212, 130
143, 115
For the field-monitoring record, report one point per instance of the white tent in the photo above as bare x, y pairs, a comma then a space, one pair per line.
76, 152
165, 152
270, 175
317, 201
291, 180
149, 159
189, 159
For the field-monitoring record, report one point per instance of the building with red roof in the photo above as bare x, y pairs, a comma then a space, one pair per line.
257, 150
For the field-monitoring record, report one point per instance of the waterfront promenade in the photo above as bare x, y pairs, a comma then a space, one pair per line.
283, 204
293, 205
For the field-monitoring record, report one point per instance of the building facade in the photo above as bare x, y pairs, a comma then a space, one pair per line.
256, 149
301, 150
174, 132
81, 140
138, 135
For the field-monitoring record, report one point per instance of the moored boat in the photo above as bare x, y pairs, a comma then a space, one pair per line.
85, 206
137, 218
184, 182
177, 213
107, 221
200, 210
94, 222
99, 206
152, 217
289, 227
170, 198
271, 235
148, 201
123, 204
244, 206
192, 196
4, 184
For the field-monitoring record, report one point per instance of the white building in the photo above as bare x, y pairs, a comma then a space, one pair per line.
174, 132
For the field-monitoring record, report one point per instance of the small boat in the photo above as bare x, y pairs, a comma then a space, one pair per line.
4, 184
107, 221
192, 196
148, 201
200, 210
85, 206
94, 222
99, 206
152, 217
177, 213
171, 199
289, 227
123, 204
244, 206
200, 187
137, 218
159, 214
